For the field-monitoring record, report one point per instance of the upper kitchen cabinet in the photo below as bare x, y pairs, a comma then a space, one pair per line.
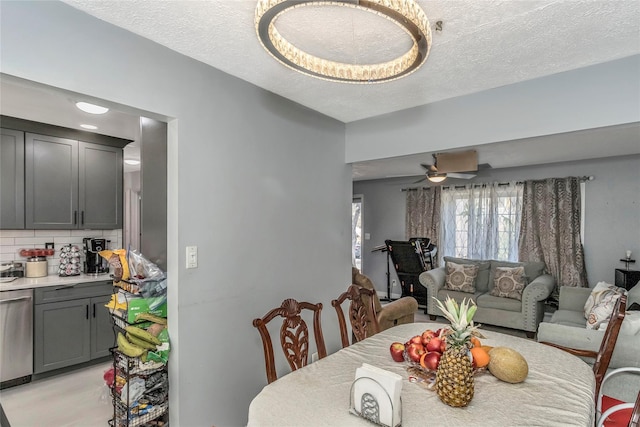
72, 184
11, 179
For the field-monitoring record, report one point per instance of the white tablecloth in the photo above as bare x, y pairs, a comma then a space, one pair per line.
559, 390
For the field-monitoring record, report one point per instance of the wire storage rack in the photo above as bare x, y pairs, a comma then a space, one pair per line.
140, 388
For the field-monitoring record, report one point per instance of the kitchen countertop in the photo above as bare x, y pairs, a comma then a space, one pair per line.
51, 280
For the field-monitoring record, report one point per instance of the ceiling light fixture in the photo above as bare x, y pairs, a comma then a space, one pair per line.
91, 108
132, 162
437, 177
405, 13
91, 127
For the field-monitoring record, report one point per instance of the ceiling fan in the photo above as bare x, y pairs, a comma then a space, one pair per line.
452, 165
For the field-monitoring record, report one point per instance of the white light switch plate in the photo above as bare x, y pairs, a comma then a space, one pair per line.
192, 256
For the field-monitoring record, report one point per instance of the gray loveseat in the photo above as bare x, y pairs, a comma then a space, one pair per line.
567, 327
511, 313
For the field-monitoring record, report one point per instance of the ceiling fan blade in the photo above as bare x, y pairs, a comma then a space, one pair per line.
461, 175
420, 180
429, 168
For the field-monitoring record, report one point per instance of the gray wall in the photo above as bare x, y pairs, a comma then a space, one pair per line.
258, 183
591, 97
612, 212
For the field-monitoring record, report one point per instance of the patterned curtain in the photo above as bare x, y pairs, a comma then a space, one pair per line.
550, 229
423, 213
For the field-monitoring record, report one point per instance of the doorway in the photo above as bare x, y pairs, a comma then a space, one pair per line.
356, 231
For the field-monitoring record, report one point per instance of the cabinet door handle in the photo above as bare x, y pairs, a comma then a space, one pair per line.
75, 217
87, 309
82, 218
94, 310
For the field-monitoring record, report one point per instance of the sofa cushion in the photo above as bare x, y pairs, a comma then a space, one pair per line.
509, 282
482, 279
532, 269
460, 277
489, 301
568, 318
600, 304
630, 324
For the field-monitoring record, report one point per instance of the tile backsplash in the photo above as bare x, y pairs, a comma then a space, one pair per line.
12, 241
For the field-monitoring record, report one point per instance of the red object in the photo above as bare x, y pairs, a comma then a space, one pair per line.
397, 351
432, 360
620, 418
435, 344
29, 253
415, 351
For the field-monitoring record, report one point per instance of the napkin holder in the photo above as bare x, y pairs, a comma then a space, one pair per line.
375, 396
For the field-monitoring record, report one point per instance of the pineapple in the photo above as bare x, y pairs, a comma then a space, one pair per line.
454, 378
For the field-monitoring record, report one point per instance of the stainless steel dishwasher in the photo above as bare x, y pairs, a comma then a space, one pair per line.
16, 324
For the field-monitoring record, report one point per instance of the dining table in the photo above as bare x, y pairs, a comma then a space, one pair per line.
558, 390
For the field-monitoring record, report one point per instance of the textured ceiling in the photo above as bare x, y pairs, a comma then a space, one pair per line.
483, 44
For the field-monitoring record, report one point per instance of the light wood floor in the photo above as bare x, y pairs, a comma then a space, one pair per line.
74, 399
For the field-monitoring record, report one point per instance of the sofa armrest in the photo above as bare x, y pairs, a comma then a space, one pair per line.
433, 281
397, 312
533, 297
625, 353
572, 298
540, 288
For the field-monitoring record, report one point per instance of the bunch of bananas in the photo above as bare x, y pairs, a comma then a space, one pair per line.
136, 342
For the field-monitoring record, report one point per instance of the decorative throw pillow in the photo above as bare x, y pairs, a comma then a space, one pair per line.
509, 282
461, 277
600, 304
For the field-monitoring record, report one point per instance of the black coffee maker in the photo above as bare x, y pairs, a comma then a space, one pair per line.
93, 262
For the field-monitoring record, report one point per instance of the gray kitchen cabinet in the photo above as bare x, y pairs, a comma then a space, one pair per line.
72, 184
11, 179
102, 336
71, 325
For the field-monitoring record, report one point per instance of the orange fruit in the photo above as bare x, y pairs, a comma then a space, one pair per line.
480, 356
422, 361
487, 348
476, 342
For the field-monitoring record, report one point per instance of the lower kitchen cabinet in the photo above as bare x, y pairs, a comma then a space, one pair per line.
74, 327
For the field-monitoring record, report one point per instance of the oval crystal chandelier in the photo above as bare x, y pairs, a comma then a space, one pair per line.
405, 13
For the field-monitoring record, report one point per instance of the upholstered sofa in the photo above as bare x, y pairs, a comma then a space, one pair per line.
396, 312
567, 327
524, 314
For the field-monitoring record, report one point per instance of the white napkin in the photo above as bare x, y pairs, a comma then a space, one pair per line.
388, 386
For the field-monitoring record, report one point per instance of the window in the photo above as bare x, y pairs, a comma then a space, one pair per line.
481, 221
356, 232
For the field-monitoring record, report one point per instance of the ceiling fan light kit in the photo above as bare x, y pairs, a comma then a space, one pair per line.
407, 14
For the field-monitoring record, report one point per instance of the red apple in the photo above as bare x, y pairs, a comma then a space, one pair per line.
427, 336
432, 360
414, 351
397, 351
416, 339
435, 344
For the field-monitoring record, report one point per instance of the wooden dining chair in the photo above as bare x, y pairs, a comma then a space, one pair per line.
294, 335
603, 355
617, 413
362, 314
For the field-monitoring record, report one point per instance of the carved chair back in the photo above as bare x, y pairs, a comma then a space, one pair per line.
294, 335
362, 314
